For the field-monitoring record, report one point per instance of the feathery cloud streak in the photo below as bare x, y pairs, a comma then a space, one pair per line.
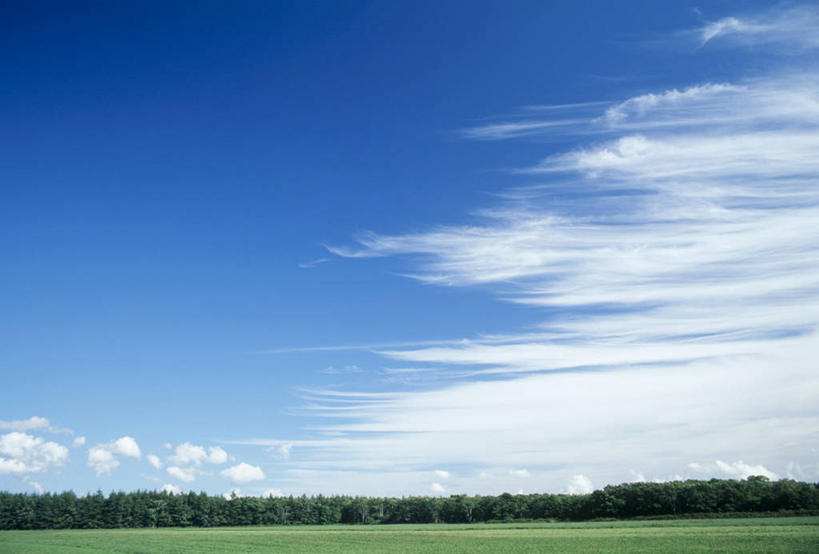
794, 27
688, 271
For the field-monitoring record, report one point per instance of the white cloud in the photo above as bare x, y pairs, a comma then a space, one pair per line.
187, 453
679, 282
154, 461
217, 455
186, 474
78, 441
519, 473
794, 471
742, 470
508, 130
21, 453
437, 488
102, 458
442, 474
37, 486
281, 451
272, 492
737, 470
233, 493
580, 484
243, 473
126, 446
171, 489
332, 370
195, 455
675, 477
728, 26
32, 424
669, 106
794, 28
313, 263
29, 424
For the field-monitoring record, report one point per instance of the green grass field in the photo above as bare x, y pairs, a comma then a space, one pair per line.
797, 534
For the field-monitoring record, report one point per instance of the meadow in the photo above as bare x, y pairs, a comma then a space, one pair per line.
795, 534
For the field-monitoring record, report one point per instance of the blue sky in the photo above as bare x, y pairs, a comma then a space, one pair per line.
407, 248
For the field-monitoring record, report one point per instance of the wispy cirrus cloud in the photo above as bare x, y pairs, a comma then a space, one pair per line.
518, 129
536, 120
555, 424
792, 27
678, 284
313, 263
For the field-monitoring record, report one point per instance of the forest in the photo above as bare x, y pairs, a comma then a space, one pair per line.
630, 500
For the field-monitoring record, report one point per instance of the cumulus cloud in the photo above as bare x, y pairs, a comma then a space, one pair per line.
187, 474
78, 441
281, 451
187, 453
33, 423
35, 485
520, 473
154, 461
126, 446
272, 492
21, 453
580, 484
102, 458
233, 493
29, 424
171, 489
442, 474
741, 470
795, 471
191, 454
217, 455
187, 459
243, 473
437, 488
738, 469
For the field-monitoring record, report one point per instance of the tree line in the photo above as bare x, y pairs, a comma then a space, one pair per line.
162, 509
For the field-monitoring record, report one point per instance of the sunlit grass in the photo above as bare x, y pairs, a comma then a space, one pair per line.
799, 534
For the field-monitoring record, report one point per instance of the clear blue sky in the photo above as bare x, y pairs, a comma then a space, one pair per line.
187, 188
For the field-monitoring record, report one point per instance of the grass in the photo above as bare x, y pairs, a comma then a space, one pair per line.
796, 534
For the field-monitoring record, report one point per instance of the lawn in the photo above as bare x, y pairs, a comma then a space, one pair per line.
797, 534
